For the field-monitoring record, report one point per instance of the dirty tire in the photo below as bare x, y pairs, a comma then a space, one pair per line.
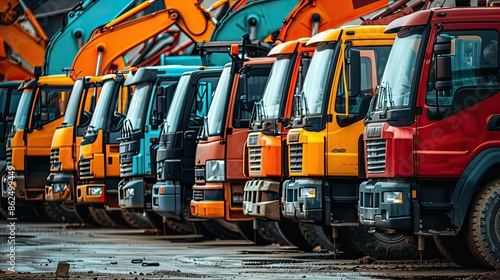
222, 229
23, 211
258, 236
291, 231
115, 216
83, 212
136, 220
273, 230
431, 251
455, 249
315, 234
39, 213
100, 216
167, 228
483, 234
380, 245
60, 213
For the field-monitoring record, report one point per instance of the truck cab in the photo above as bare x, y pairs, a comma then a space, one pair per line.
219, 178
177, 144
431, 142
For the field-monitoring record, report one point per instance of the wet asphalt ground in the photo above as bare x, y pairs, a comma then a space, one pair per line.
103, 253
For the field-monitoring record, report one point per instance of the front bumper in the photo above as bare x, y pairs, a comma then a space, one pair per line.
297, 207
131, 194
373, 211
207, 209
166, 199
261, 199
13, 183
92, 193
59, 185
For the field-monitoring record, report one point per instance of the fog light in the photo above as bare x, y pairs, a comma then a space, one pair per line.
393, 197
308, 192
95, 190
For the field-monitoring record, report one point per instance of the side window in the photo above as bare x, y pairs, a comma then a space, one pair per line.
50, 105
250, 89
474, 70
372, 64
203, 99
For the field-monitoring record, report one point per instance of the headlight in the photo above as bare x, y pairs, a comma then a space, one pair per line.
393, 197
215, 171
129, 193
59, 187
95, 190
308, 192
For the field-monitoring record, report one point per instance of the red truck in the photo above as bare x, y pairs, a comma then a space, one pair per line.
432, 136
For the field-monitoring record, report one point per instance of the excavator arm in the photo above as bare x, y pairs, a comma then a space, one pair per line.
11, 68
79, 23
258, 18
27, 45
117, 38
309, 16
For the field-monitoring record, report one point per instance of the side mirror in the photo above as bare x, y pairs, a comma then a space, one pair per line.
353, 73
442, 49
160, 101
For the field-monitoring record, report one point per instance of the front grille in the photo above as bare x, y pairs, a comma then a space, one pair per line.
375, 155
55, 164
295, 157
84, 168
159, 170
255, 159
199, 175
8, 157
198, 195
125, 169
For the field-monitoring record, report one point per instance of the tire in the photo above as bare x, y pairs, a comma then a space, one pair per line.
60, 213
100, 216
136, 220
455, 249
83, 212
222, 229
291, 231
483, 234
273, 230
115, 217
23, 212
380, 245
258, 236
315, 234
169, 227
431, 251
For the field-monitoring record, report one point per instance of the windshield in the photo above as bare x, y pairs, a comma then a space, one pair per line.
316, 79
23, 109
174, 113
73, 104
138, 105
102, 106
217, 111
394, 90
273, 91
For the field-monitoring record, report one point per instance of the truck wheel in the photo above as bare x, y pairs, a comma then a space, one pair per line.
483, 233
315, 234
381, 245
222, 229
455, 249
165, 228
273, 230
115, 217
291, 231
83, 212
257, 236
136, 220
99, 215
60, 213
